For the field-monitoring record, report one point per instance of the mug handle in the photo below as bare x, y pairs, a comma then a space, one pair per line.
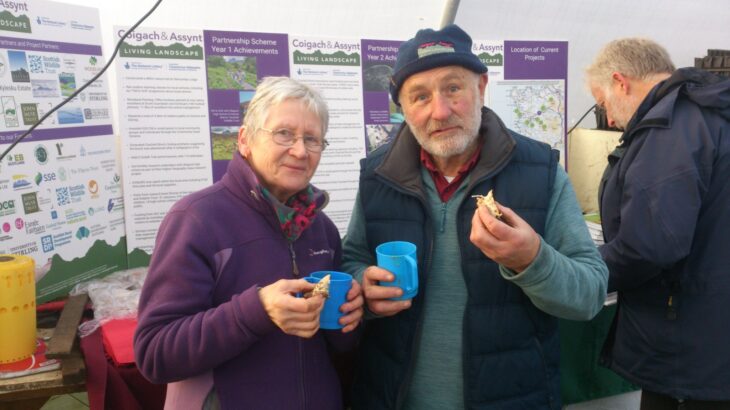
412, 280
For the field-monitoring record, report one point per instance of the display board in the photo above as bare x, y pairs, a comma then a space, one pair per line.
527, 90
183, 95
60, 189
163, 113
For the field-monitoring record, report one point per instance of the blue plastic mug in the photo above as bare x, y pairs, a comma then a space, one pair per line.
400, 258
340, 284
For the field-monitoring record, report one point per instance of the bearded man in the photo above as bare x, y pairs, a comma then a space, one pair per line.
482, 332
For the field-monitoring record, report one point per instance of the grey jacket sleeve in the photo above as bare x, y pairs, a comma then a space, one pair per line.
568, 278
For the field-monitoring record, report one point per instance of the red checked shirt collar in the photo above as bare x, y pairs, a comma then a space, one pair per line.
445, 188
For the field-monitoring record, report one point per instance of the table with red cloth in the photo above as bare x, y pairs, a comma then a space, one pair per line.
116, 387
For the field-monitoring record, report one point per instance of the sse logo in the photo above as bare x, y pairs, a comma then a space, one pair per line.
45, 177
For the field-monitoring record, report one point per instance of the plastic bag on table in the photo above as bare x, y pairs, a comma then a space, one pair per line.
115, 296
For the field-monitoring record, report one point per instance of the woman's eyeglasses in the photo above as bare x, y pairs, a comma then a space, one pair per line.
287, 138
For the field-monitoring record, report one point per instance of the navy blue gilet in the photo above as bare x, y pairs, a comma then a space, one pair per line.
511, 349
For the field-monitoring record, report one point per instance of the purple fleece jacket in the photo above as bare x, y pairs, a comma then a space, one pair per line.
200, 313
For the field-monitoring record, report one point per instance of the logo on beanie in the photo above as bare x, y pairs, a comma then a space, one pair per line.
435, 47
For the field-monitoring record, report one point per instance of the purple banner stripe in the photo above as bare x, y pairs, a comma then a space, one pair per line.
49, 46
535, 60
58, 133
238, 43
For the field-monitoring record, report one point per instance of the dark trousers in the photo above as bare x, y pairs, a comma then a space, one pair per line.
656, 401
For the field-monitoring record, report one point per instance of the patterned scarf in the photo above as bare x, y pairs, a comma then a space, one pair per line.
297, 214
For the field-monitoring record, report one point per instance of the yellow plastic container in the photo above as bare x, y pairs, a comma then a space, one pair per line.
17, 308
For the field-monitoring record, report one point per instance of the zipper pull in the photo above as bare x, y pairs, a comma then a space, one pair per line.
294, 267
671, 309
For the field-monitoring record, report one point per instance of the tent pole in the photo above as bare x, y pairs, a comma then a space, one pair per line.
449, 15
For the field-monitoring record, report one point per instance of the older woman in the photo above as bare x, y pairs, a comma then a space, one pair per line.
219, 318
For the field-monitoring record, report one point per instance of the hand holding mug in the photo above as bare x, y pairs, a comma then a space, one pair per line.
382, 300
352, 310
399, 258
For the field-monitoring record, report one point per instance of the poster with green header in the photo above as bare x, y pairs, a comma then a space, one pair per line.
60, 188
333, 66
183, 95
163, 111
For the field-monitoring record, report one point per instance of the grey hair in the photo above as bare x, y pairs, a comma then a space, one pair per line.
275, 90
638, 58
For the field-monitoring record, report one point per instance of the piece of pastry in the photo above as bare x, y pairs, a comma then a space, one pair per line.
321, 288
488, 201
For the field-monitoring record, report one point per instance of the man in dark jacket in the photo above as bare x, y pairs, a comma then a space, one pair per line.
482, 331
665, 210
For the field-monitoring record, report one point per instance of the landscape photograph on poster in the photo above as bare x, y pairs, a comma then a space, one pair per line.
232, 73
68, 83
70, 115
44, 88
18, 66
223, 142
376, 77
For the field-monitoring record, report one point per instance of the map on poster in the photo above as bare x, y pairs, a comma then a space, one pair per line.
61, 199
530, 92
532, 108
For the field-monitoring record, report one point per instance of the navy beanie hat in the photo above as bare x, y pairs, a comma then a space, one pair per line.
430, 49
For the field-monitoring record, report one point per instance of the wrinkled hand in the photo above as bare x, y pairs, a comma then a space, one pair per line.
511, 242
377, 296
293, 315
352, 309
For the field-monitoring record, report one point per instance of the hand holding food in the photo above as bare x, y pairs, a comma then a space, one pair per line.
505, 238
490, 203
293, 315
321, 288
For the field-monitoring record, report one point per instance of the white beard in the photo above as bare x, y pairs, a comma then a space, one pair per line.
453, 145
